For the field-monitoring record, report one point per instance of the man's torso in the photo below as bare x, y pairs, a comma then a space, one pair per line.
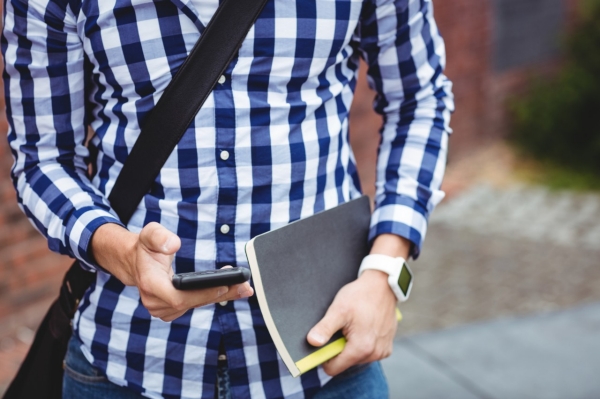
269, 146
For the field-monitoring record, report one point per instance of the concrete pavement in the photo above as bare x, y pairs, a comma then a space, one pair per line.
494, 253
506, 302
550, 355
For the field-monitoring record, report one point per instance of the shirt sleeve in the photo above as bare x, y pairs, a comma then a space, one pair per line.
45, 101
405, 54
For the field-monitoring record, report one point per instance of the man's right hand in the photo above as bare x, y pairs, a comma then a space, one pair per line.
144, 260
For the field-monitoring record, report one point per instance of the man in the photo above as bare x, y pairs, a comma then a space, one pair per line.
269, 146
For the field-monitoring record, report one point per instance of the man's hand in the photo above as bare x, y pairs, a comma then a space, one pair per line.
144, 260
365, 311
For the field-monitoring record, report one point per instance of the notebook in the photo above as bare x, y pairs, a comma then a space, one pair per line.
297, 271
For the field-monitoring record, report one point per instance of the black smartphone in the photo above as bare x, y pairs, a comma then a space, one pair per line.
211, 278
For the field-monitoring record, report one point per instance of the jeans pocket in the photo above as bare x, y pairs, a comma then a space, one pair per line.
88, 379
77, 367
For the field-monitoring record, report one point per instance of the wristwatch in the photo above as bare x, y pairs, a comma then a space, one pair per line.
400, 277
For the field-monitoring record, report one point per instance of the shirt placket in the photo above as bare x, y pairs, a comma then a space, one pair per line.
225, 229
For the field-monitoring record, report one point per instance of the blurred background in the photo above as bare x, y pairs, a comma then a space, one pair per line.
506, 302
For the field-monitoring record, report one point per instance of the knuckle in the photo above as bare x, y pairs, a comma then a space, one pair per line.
144, 277
147, 304
366, 349
361, 352
342, 309
382, 351
177, 304
231, 296
379, 354
144, 287
153, 234
151, 226
149, 229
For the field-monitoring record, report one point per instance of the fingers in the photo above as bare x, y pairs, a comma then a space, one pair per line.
352, 354
356, 351
157, 238
155, 254
168, 303
238, 291
169, 312
165, 295
243, 290
333, 321
365, 312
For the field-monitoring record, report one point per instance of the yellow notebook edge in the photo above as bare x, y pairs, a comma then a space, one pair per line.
321, 355
327, 352
266, 313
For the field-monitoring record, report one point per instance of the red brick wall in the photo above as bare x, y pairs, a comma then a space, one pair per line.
465, 26
482, 94
28, 271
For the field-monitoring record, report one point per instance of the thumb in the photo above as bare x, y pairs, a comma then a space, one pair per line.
157, 238
321, 333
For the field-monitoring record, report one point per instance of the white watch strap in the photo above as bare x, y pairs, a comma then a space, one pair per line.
383, 263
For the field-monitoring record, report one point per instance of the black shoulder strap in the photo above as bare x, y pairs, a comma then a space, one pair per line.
167, 122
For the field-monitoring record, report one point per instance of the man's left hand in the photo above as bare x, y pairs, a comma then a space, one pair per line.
365, 311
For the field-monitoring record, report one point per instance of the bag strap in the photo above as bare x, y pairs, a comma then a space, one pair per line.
181, 101
164, 126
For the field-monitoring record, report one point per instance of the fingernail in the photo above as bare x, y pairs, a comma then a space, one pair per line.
316, 337
166, 245
244, 292
222, 291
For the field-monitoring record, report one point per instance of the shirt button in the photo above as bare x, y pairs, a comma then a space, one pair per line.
224, 155
224, 303
224, 229
222, 79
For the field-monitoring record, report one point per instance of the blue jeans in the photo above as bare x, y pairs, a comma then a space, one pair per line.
360, 382
365, 381
82, 380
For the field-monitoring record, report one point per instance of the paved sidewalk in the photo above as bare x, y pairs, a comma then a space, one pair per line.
551, 355
499, 252
525, 212
526, 258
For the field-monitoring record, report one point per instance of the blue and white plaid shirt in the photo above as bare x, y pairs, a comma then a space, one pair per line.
269, 146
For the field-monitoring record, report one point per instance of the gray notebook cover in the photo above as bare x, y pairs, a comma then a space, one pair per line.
298, 269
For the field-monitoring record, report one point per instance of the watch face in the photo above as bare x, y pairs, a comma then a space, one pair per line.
404, 279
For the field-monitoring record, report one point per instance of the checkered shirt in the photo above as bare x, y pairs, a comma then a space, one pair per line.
281, 114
